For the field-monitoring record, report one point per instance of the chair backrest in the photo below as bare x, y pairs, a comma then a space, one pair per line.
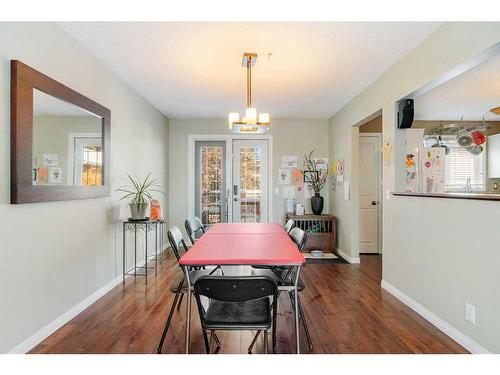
235, 288
299, 237
176, 240
289, 225
193, 225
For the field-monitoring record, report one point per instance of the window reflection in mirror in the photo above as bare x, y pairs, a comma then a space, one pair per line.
67, 143
453, 145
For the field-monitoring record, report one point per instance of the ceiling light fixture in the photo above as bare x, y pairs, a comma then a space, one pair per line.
496, 111
250, 123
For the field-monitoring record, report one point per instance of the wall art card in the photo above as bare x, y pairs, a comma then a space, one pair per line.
289, 161
321, 163
42, 175
55, 175
284, 176
50, 159
288, 192
411, 172
308, 190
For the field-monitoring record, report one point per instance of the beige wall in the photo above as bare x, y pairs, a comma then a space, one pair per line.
439, 252
372, 126
55, 255
290, 137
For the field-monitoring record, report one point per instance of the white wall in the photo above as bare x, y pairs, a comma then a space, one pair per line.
439, 252
290, 137
54, 255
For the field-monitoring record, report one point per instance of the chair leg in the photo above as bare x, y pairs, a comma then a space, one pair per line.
250, 348
304, 323
265, 341
180, 302
210, 346
170, 315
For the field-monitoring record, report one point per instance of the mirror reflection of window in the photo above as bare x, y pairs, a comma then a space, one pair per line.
67, 143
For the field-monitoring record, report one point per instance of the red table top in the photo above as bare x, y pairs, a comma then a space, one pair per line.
244, 244
227, 228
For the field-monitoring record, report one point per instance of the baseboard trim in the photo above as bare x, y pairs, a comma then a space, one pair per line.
439, 323
49, 329
61, 320
352, 260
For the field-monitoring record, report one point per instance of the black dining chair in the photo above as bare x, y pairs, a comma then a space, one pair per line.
194, 226
289, 225
285, 278
237, 303
179, 284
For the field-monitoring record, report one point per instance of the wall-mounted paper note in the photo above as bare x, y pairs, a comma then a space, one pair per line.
347, 190
55, 175
321, 163
284, 176
50, 159
308, 190
288, 192
288, 161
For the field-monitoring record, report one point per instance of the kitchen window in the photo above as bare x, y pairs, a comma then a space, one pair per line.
461, 166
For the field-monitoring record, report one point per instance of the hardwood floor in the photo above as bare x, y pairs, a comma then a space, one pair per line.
346, 309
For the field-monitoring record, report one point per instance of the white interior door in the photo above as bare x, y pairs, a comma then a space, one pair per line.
250, 195
369, 192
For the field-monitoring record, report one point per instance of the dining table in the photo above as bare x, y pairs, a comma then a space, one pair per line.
245, 244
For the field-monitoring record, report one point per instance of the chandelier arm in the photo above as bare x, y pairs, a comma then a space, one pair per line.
249, 83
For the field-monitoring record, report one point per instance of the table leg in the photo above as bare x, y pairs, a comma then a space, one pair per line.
188, 310
135, 250
146, 253
123, 246
156, 250
296, 307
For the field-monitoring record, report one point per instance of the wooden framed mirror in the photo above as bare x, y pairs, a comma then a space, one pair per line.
60, 140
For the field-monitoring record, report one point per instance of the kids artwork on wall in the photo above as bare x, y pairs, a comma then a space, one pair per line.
433, 170
284, 176
411, 172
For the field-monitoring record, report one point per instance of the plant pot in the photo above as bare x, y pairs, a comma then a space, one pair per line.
138, 210
317, 204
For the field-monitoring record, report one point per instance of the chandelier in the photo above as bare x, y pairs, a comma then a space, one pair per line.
249, 123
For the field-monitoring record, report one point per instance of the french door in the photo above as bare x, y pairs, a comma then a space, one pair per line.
231, 181
250, 181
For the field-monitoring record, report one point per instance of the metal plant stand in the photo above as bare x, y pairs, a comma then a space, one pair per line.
146, 226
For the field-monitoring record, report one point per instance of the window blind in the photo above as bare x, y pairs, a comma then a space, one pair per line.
461, 165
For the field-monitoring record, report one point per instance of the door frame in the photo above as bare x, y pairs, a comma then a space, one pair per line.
71, 152
379, 188
228, 139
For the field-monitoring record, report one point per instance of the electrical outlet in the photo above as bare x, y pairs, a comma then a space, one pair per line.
470, 313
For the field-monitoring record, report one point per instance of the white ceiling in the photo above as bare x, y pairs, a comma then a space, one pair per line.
471, 95
193, 70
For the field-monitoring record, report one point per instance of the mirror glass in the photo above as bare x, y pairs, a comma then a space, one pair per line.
67, 143
453, 145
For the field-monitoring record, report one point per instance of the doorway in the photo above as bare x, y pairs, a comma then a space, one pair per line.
230, 179
370, 186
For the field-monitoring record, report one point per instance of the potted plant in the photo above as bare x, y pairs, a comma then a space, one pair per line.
317, 177
139, 193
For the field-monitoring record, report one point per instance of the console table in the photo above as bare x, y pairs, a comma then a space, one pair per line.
321, 231
146, 226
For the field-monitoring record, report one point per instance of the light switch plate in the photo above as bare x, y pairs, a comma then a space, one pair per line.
470, 313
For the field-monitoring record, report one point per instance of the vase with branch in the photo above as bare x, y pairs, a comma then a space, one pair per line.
317, 178
139, 193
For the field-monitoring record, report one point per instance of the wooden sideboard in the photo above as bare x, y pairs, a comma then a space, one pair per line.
321, 231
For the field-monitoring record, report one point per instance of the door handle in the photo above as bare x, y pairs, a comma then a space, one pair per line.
374, 203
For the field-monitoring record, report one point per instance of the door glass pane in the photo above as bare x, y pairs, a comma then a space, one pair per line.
211, 165
87, 161
250, 184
